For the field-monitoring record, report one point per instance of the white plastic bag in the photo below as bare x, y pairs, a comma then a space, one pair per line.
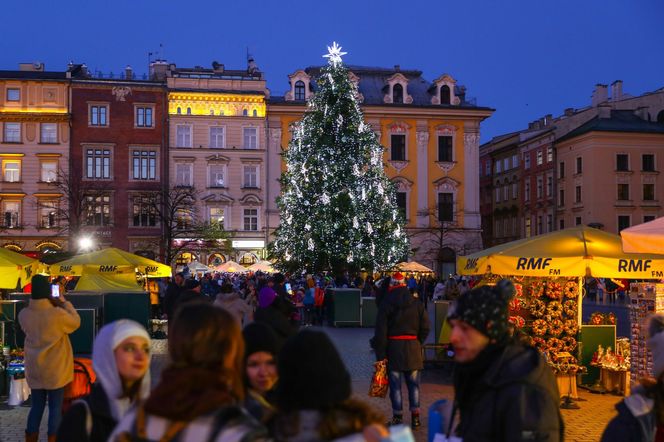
19, 392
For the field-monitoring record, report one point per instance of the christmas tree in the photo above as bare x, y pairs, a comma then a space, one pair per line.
338, 208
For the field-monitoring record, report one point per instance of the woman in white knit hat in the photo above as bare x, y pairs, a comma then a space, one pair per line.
121, 360
641, 415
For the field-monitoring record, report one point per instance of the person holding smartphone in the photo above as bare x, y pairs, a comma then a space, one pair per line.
47, 322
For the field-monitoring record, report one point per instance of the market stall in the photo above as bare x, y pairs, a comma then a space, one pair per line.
16, 268
548, 271
262, 266
644, 238
230, 267
412, 267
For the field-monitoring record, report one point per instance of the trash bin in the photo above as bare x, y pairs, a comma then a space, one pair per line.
346, 307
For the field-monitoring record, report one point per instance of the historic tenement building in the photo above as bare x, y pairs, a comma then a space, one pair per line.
34, 153
431, 133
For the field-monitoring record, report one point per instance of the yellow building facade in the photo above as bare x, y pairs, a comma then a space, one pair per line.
34, 153
431, 138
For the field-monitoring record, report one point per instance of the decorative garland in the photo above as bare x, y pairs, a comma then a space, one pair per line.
556, 327
537, 308
555, 309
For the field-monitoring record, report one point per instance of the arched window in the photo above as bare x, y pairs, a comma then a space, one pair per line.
255, 113
397, 94
188, 111
179, 110
445, 94
244, 112
299, 90
211, 111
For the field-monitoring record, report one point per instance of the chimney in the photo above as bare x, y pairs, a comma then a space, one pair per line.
604, 111
33, 67
642, 113
600, 95
129, 72
252, 67
461, 94
548, 118
569, 111
159, 70
616, 90
217, 67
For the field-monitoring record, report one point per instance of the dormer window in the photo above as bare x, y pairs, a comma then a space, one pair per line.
299, 91
445, 94
397, 94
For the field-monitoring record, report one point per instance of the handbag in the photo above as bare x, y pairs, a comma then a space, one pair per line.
379, 383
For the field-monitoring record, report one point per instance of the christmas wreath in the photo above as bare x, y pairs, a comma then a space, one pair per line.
571, 327
537, 308
570, 308
555, 309
556, 327
519, 290
571, 289
540, 343
569, 343
554, 290
555, 345
536, 289
518, 321
539, 327
610, 318
515, 304
596, 318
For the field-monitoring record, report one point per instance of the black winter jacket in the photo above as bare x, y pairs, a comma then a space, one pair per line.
401, 314
635, 421
73, 426
512, 396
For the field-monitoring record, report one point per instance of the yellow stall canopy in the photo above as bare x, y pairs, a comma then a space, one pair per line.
110, 261
14, 266
578, 251
108, 284
644, 238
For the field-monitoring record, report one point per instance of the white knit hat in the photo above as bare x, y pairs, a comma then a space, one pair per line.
656, 343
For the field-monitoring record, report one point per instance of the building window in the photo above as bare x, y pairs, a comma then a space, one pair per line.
11, 211
622, 161
98, 210
577, 220
48, 133
445, 148
217, 175
499, 166
549, 154
445, 94
549, 186
446, 207
144, 211
401, 204
398, 147
217, 216
251, 219
506, 192
506, 164
577, 194
144, 164
299, 90
254, 113
183, 219
11, 171
397, 94
561, 224
49, 171
12, 133
250, 174
540, 185
244, 112
183, 174
528, 228
188, 111
144, 116
561, 197
624, 221
98, 163
561, 170
648, 192
217, 137
623, 192
48, 214
526, 190
515, 161
98, 115
648, 218
13, 94
497, 194
526, 160
579, 165
515, 190
250, 138
540, 156
488, 168
648, 162
539, 225
183, 136
549, 223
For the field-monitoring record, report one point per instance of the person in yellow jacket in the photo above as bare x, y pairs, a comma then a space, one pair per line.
49, 359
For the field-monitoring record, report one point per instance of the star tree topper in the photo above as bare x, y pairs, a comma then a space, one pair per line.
334, 53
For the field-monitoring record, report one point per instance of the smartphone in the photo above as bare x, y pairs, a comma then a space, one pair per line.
288, 287
55, 290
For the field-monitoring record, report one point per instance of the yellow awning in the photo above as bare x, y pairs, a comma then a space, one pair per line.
110, 261
644, 238
14, 266
108, 284
578, 251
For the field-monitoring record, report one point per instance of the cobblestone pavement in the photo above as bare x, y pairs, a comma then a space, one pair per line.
583, 425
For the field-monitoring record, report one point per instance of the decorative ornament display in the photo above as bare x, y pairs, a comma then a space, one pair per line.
570, 308
555, 345
539, 327
571, 289
556, 327
536, 289
554, 290
537, 308
571, 328
555, 309
569, 344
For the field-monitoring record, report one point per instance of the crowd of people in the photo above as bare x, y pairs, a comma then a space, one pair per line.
244, 366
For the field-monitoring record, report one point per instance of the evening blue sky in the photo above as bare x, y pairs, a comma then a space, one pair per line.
525, 58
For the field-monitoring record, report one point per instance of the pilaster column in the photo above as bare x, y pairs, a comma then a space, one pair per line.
422, 213
471, 194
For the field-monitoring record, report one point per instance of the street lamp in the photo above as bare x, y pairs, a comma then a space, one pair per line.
85, 243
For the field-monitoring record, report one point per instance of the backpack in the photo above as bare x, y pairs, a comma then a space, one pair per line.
84, 377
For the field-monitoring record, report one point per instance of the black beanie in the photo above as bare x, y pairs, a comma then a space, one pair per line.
312, 375
41, 288
259, 337
486, 309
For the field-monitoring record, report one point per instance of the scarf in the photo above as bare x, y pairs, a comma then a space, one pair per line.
469, 376
185, 393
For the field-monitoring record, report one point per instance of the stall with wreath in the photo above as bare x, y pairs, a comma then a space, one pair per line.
547, 271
